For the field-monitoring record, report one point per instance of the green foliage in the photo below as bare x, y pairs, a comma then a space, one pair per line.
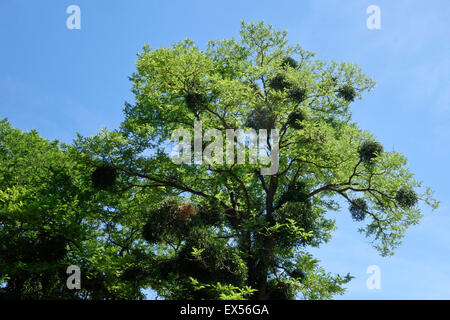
209, 259
43, 207
318, 284
51, 218
219, 291
209, 214
204, 231
310, 220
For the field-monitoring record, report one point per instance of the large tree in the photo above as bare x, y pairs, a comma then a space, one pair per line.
225, 230
219, 230
43, 210
51, 217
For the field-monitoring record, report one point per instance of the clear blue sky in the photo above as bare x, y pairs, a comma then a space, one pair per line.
62, 81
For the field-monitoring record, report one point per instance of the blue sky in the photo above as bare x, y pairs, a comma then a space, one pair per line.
62, 81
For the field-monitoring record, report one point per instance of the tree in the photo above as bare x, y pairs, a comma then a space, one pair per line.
38, 213
50, 217
226, 231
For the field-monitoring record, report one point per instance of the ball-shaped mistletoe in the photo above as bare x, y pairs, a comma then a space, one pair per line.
261, 118
166, 221
187, 210
214, 260
104, 177
294, 119
210, 213
369, 150
347, 93
297, 94
279, 82
132, 274
280, 291
295, 193
406, 198
289, 61
297, 273
194, 100
300, 190
150, 233
358, 209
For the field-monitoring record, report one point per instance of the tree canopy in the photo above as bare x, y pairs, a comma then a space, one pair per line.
132, 218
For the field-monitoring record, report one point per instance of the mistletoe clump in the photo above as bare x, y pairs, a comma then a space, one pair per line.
278, 290
210, 214
297, 274
210, 260
166, 222
104, 177
369, 150
347, 93
358, 209
195, 101
261, 118
134, 274
289, 61
294, 119
296, 192
297, 94
279, 82
187, 210
406, 198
